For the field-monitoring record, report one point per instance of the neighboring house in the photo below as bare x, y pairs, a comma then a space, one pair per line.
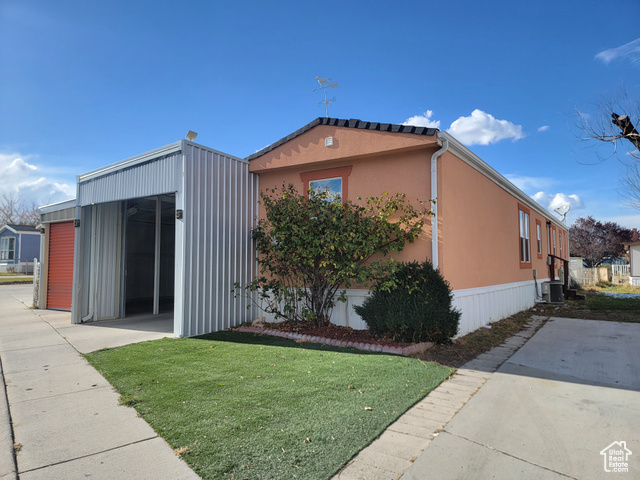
56, 272
19, 245
634, 263
168, 231
489, 239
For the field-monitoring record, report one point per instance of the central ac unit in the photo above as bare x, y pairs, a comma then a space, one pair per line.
552, 291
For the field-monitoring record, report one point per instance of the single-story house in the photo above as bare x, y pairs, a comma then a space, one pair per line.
56, 276
19, 246
491, 241
168, 231
634, 263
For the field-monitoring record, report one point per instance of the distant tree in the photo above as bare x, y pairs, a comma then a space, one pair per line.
595, 241
608, 126
15, 211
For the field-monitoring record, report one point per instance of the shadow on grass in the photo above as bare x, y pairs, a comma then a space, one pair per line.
269, 340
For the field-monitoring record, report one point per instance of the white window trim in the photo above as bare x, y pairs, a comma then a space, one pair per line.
327, 180
5, 248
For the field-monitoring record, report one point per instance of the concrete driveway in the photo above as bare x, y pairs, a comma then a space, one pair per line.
549, 411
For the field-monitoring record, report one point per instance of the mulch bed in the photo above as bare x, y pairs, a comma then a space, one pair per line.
332, 331
336, 336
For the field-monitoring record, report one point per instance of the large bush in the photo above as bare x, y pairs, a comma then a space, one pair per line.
416, 308
311, 246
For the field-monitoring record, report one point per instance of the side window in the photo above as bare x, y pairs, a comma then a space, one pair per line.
333, 185
525, 241
539, 237
336, 180
7, 248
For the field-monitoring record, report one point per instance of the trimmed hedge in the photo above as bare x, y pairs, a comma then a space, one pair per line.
417, 309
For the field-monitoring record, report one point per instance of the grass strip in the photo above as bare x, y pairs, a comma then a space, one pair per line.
248, 406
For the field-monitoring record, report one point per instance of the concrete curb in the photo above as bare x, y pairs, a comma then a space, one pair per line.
393, 452
7, 455
407, 351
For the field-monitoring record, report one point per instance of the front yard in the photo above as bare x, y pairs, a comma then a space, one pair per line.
239, 405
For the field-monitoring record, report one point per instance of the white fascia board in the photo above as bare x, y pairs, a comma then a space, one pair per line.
471, 159
130, 162
54, 207
7, 227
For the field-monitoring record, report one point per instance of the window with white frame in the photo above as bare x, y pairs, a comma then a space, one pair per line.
560, 240
7, 248
539, 237
525, 247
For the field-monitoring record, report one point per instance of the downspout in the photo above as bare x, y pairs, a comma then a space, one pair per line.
434, 196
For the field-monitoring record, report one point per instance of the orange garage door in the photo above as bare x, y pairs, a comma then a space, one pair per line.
60, 278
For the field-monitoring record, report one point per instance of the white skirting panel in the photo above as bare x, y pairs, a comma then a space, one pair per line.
634, 281
484, 305
479, 306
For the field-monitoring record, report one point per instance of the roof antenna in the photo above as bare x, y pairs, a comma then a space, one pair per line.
324, 84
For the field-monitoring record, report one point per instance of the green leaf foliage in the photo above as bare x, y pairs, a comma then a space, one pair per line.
415, 308
310, 246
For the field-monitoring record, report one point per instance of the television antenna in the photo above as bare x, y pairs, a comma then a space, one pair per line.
562, 211
324, 84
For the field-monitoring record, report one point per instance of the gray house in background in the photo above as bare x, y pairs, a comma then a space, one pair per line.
168, 231
19, 245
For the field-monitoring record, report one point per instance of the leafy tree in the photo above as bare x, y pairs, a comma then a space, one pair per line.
595, 241
310, 246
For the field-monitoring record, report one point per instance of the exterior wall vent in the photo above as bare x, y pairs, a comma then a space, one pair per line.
328, 142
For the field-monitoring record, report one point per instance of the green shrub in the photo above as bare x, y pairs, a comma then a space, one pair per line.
416, 309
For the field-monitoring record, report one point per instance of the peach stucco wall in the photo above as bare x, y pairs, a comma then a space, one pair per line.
479, 230
402, 168
309, 149
478, 219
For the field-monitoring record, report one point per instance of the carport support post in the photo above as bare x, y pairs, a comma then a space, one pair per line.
156, 268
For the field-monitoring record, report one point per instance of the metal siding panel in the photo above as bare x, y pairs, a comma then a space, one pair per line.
156, 177
216, 239
107, 275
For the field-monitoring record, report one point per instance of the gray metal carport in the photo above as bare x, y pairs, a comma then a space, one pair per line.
166, 230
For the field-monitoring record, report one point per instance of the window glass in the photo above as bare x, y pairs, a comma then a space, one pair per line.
333, 185
7, 247
539, 237
524, 238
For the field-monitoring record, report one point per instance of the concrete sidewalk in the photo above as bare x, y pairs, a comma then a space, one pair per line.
67, 423
549, 411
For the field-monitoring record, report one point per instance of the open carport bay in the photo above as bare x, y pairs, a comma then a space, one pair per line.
549, 411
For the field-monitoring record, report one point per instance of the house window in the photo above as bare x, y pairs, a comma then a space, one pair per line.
7, 248
332, 185
336, 180
525, 246
554, 241
560, 240
539, 237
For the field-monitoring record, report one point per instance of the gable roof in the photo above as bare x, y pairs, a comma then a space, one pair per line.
352, 123
19, 228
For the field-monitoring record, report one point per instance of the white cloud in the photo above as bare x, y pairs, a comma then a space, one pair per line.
551, 201
423, 120
630, 51
26, 182
481, 128
529, 183
543, 128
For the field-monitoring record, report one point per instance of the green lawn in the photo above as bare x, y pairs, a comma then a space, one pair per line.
247, 406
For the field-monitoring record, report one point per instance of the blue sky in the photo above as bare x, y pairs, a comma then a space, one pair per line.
84, 83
